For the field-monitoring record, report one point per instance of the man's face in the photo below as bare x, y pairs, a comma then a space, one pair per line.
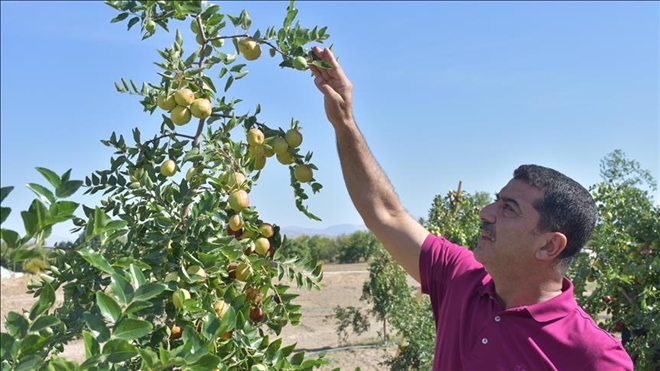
509, 236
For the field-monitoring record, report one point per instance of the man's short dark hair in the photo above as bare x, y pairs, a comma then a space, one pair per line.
566, 207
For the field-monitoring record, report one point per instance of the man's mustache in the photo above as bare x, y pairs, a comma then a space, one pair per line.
488, 230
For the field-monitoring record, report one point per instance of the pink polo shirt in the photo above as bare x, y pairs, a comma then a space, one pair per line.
475, 334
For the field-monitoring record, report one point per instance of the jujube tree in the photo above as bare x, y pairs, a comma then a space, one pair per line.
175, 269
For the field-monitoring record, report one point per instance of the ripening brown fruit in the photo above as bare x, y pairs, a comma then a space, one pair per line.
236, 234
227, 335
253, 295
231, 269
175, 332
256, 314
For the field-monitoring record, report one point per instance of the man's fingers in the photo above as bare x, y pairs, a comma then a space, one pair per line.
326, 55
330, 58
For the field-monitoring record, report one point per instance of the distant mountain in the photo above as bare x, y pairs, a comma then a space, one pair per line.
332, 231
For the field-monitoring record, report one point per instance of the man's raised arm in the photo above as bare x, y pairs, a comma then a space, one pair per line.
368, 186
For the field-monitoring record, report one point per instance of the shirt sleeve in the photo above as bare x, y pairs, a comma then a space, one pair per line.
612, 358
440, 261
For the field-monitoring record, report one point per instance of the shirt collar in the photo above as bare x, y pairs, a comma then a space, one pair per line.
549, 310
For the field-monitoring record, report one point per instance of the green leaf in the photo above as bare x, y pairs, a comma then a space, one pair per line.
11, 238
8, 346
131, 329
122, 289
52, 178
178, 38
210, 327
96, 260
92, 347
290, 15
44, 322
68, 188
98, 327
132, 23
119, 350
149, 291
4, 213
29, 363
63, 209
58, 363
34, 219
149, 358
137, 276
4, 191
230, 80
206, 362
91, 363
119, 18
108, 306
46, 300
44, 194
16, 325
240, 75
137, 305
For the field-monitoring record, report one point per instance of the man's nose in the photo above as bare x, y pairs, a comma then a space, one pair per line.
487, 214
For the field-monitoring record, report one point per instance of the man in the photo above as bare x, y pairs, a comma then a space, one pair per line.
507, 306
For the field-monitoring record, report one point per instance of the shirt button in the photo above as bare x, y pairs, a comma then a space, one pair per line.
497, 318
484, 341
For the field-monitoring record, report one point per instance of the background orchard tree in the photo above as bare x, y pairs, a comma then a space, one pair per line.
175, 269
619, 273
456, 216
409, 314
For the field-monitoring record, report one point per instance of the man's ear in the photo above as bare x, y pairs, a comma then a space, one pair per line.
555, 243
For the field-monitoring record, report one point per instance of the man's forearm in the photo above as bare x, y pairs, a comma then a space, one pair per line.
368, 186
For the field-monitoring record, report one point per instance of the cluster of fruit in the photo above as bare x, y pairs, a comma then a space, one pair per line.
239, 271
182, 105
279, 146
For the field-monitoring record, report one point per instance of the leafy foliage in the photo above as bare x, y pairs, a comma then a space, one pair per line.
456, 216
358, 246
346, 317
619, 273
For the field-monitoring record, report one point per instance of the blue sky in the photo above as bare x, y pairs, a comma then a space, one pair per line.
444, 91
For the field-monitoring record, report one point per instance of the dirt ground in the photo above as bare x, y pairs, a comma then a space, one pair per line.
342, 285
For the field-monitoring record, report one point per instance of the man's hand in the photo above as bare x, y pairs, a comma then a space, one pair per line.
336, 88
